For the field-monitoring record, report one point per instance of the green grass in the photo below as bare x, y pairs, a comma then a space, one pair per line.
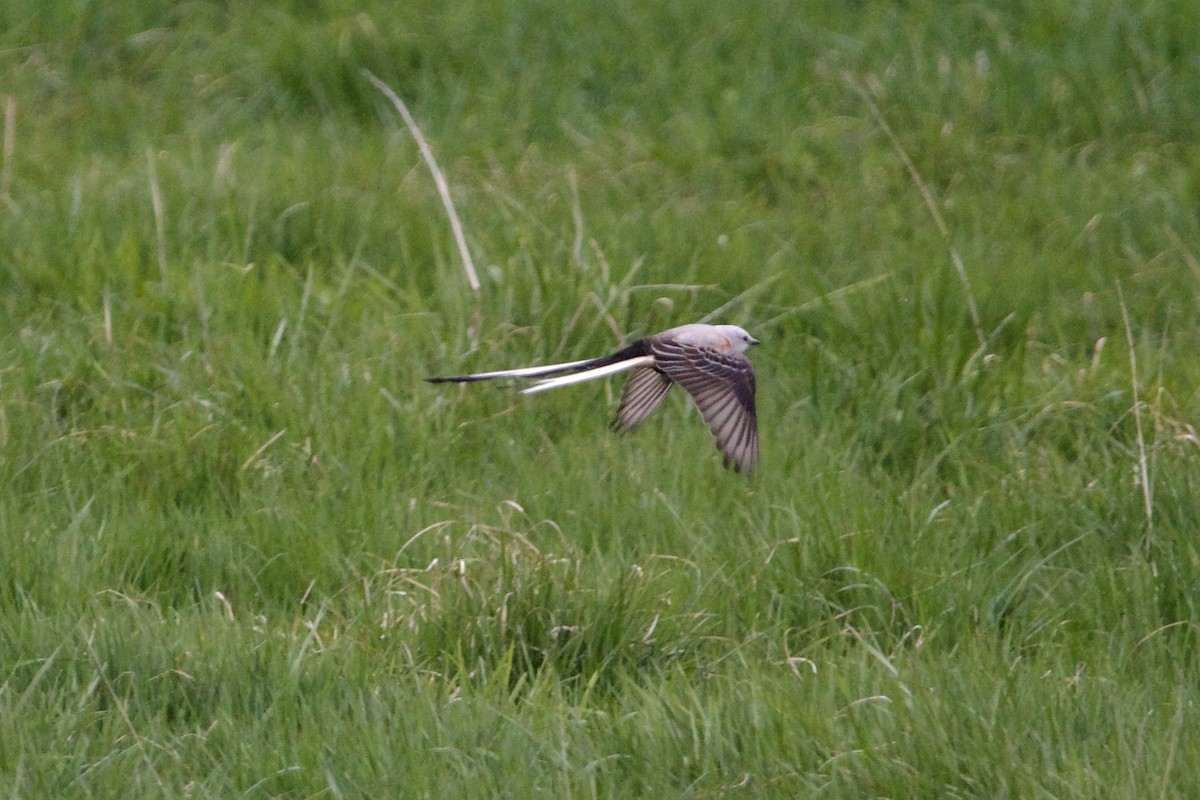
246, 551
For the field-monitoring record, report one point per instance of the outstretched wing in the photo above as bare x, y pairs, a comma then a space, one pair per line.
721, 383
643, 392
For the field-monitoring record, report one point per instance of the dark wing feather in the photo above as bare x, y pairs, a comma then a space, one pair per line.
643, 392
721, 383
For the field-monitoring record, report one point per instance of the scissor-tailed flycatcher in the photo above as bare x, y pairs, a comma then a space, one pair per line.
708, 361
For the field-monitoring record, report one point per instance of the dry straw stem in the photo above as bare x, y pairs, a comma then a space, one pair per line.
929, 203
438, 179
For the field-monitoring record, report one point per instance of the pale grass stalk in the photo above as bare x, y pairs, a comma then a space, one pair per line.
1143, 467
438, 179
10, 145
1188, 256
836, 294
137, 740
955, 258
570, 327
1177, 726
262, 449
577, 218
225, 604
751, 292
276, 339
692, 288
617, 333
312, 640
598, 302
156, 203
108, 328
1164, 628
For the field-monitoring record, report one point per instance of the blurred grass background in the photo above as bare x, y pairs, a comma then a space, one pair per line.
248, 552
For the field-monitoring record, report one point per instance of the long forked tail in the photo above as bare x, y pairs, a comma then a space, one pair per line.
523, 372
583, 369
589, 374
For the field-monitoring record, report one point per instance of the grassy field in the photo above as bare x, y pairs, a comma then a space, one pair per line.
245, 551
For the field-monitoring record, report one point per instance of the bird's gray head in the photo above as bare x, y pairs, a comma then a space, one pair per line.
738, 337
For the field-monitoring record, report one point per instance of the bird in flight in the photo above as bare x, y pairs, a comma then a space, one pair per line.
708, 361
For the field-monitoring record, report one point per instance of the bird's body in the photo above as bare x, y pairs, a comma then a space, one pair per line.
708, 361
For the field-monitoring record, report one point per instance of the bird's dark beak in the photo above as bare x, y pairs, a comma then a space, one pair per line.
754, 341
